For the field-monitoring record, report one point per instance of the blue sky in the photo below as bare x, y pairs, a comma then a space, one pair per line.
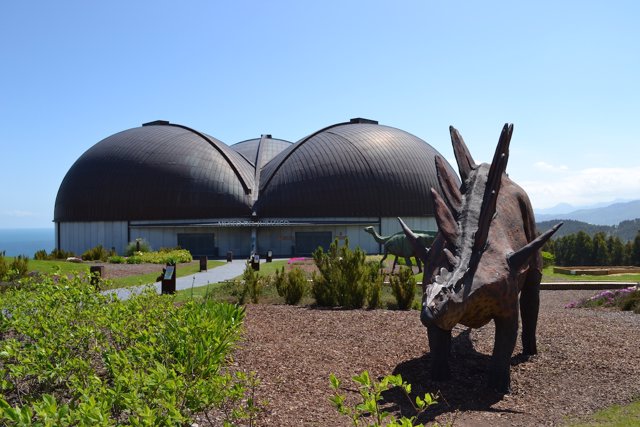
567, 74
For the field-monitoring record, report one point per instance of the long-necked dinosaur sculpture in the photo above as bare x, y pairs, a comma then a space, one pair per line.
485, 256
399, 245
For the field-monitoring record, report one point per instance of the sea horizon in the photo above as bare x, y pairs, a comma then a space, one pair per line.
26, 241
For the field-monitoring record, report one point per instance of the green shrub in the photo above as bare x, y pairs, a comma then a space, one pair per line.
41, 255
630, 302
138, 245
403, 286
4, 268
251, 286
343, 278
548, 259
375, 288
102, 361
116, 259
171, 257
97, 253
291, 285
134, 260
60, 254
16, 269
369, 412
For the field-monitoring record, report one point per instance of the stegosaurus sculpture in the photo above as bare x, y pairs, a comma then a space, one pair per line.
484, 256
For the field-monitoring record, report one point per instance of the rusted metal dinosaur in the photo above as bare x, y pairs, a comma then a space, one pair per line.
398, 245
485, 255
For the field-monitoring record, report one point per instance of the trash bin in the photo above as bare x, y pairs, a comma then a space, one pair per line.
203, 263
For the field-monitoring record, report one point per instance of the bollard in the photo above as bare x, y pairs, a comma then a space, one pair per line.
269, 256
96, 271
203, 263
229, 256
255, 262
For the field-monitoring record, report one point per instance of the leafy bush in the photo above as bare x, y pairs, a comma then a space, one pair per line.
343, 278
134, 260
16, 269
101, 361
548, 259
138, 245
403, 286
116, 259
251, 285
61, 254
630, 301
371, 395
375, 289
291, 285
627, 299
41, 255
97, 253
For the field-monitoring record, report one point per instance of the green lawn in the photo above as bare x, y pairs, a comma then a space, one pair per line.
64, 267
614, 416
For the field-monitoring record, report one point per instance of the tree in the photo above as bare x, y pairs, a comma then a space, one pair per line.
600, 250
583, 249
635, 252
616, 251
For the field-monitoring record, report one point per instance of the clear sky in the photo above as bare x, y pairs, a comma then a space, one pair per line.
566, 73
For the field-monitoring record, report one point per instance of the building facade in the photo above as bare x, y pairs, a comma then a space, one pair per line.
174, 186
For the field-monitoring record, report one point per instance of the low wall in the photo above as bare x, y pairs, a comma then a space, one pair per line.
596, 271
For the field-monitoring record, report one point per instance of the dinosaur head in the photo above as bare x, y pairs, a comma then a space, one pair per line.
369, 229
464, 216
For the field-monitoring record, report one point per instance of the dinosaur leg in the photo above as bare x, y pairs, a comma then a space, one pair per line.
419, 264
395, 261
505, 342
529, 307
383, 258
440, 347
408, 261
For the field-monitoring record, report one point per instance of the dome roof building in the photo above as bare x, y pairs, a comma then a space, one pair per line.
157, 171
172, 185
358, 168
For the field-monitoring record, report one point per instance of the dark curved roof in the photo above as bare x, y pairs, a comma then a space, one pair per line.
260, 151
350, 169
157, 171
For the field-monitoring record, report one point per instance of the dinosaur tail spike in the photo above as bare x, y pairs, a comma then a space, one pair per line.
519, 258
445, 219
463, 156
419, 249
448, 186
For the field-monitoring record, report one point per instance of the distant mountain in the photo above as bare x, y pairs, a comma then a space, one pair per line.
626, 230
611, 215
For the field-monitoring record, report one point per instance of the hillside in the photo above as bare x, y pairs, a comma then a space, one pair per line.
610, 215
625, 230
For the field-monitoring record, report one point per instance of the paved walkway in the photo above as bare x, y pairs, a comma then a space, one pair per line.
214, 275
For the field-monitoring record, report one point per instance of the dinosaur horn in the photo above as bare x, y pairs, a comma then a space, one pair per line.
446, 222
448, 186
420, 250
492, 188
463, 156
519, 258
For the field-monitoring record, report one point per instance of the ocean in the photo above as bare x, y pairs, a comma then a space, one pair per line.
26, 241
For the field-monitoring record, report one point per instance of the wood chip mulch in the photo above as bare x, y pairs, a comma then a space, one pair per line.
588, 359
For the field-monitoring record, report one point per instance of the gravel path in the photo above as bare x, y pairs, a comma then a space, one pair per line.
588, 359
